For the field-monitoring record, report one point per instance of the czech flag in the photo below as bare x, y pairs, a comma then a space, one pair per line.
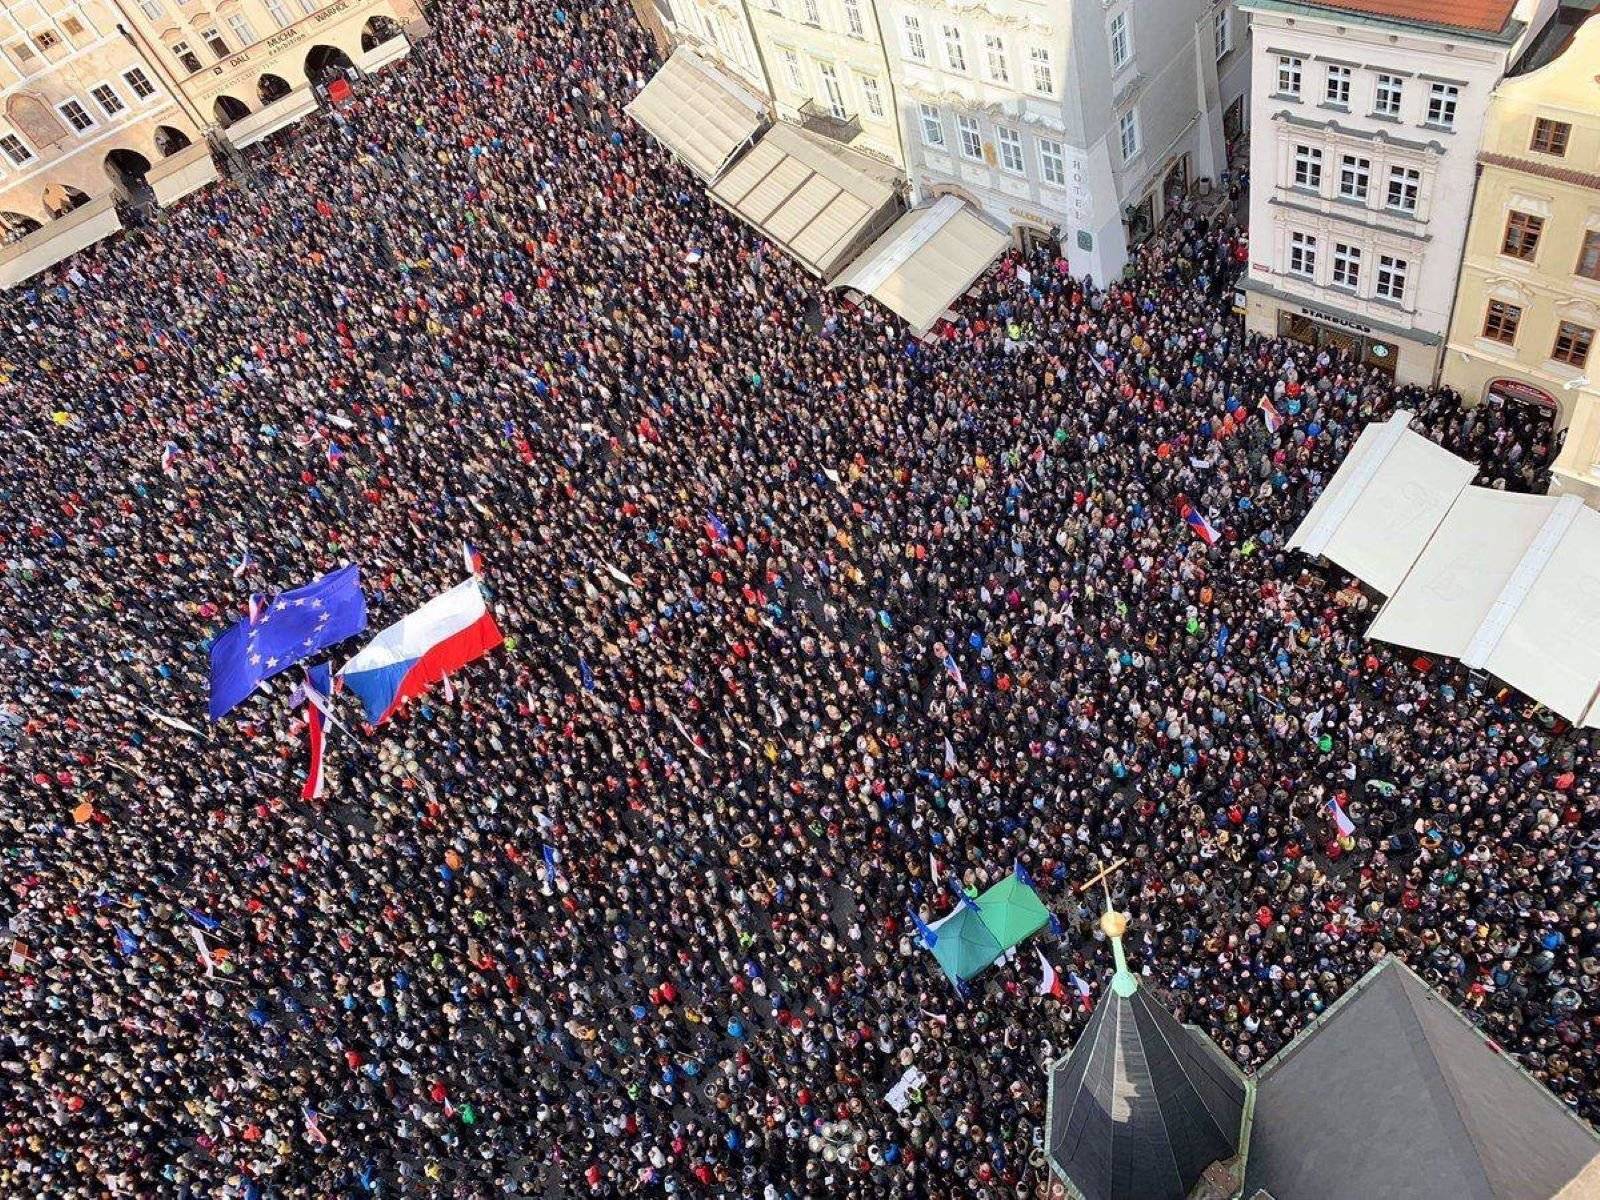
1271, 415
317, 686
1196, 520
443, 635
1341, 819
473, 560
1049, 982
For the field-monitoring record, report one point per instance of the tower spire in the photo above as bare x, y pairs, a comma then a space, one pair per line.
1114, 924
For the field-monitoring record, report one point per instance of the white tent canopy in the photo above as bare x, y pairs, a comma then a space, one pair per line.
698, 113
57, 240
927, 259
1383, 503
1510, 584
820, 202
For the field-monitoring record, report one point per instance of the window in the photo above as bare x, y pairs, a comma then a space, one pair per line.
1442, 105
1354, 176
1128, 131
1288, 75
1386, 101
812, 16
1121, 45
1500, 322
1391, 283
970, 136
1550, 137
279, 14
1302, 255
1222, 32
791, 68
1044, 76
932, 125
45, 39
240, 28
106, 97
139, 83
1572, 344
308, 6
1010, 149
72, 26
214, 39
12, 145
1346, 266
1052, 163
1522, 236
955, 50
852, 19
186, 56
1338, 91
77, 116
1405, 183
835, 94
1589, 257
1307, 167
994, 58
873, 96
151, 9
23, 51
911, 35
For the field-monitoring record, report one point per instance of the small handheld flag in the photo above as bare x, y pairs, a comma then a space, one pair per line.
244, 564
317, 684
715, 529
954, 671
169, 458
1049, 981
335, 455
473, 560
1270, 415
127, 944
585, 674
1079, 986
549, 854
1341, 819
930, 939
202, 920
1196, 520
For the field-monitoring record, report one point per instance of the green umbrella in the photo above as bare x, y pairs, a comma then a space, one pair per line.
1012, 911
964, 946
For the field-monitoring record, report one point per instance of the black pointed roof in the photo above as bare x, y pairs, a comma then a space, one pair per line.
1392, 1092
1142, 1105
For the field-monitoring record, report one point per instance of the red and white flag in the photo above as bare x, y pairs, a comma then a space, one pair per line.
1050, 982
316, 689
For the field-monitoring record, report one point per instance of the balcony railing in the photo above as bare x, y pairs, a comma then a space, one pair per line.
819, 119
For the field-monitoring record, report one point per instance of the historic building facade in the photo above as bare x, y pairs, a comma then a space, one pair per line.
1528, 309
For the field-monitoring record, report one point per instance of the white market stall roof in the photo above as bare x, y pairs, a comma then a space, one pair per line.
58, 239
187, 170
270, 118
1383, 503
698, 113
1510, 584
820, 202
927, 259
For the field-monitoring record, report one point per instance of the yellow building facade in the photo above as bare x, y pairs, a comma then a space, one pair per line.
82, 113
1528, 306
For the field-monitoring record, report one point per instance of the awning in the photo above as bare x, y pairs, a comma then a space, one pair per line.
176, 175
264, 122
698, 113
1510, 584
926, 260
821, 203
383, 54
57, 240
1383, 503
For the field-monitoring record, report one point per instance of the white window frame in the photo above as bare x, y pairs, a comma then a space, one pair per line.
1009, 143
1346, 271
1291, 75
969, 137
279, 12
110, 113
1410, 181
239, 25
1302, 260
309, 6
1130, 138
872, 93
832, 89
1388, 94
1222, 31
1443, 101
28, 154
955, 47
179, 50
141, 98
791, 64
1355, 177
852, 19
1121, 42
1042, 70
1307, 166
1336, 86
932, 121
1052, 162
152, 9
83, 109
1390, 282
995, 62
812, 15
911, 39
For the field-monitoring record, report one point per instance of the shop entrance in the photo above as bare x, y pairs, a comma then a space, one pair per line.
1372, 351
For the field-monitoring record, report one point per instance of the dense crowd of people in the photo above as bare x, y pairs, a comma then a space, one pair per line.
731, 527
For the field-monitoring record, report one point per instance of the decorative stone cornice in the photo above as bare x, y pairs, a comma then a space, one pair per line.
1583, 179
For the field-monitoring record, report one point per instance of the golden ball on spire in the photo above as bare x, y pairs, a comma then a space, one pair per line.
1113, 924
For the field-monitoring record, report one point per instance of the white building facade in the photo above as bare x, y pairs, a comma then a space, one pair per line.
1364, 135
1082, 120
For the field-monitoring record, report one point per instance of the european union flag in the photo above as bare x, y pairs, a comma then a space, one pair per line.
294, 626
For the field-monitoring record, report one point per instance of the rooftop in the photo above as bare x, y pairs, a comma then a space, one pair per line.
1474, 16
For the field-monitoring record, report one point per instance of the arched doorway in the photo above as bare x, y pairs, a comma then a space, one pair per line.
61, 198
14, 225
272, 87
323, 63
377, 30
169, 140
227, 110
127, 168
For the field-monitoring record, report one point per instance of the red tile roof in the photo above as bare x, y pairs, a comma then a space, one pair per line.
1481, 16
